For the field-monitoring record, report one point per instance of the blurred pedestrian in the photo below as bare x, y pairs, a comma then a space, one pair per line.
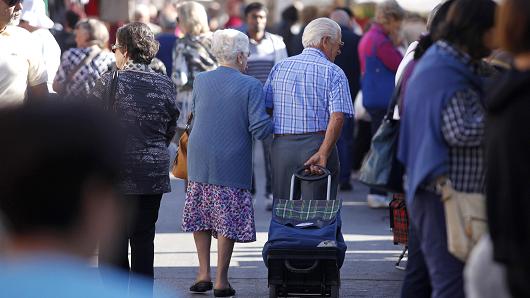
266, 50
380, 59
234, 8
82, 66
66, 37
308, 14
443, 137
309, 97
144, 102
34, 19
507, 147
167, 39
284, 28
22, 68
142, 14
58, 200
348, 61
228, 111
191, 56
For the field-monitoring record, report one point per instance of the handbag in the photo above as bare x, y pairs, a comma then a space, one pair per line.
180, 164
465, 219
381, 169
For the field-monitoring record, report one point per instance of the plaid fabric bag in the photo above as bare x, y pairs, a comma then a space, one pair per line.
399, 219
299, 211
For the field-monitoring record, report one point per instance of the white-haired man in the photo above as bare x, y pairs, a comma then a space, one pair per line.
309, 97
21, 65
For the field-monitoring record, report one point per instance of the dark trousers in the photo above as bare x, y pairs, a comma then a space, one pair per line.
345, 148
417, 283
291, 152
377, 118
445, 271
139, 232
361, 144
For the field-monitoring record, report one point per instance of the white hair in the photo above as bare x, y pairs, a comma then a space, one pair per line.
341, 17
193, 18
318, 29
228, 43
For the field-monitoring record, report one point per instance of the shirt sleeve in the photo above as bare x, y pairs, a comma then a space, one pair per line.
37, 73
340, 96
64, 68
463, 120
389, 55
260, 124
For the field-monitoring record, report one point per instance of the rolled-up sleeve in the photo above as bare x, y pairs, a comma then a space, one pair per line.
339, 96
260, 124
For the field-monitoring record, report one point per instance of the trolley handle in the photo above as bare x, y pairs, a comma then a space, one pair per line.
301, 270
301, 173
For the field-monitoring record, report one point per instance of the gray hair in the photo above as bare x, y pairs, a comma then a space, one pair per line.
387, 10
98, 34
341, 17
318, 29
228, 43
193, 18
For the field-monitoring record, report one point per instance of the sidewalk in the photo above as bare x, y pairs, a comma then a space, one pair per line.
368, 270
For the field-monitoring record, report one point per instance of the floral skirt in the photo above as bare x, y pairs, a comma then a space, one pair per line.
223, 210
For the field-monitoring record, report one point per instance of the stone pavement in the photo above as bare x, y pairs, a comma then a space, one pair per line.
368, 270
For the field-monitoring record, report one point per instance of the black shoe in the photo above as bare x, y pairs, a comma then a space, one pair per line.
346, 186
201, 286
224, 292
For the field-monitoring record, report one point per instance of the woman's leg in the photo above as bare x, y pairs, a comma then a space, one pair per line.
225, 247
203, 240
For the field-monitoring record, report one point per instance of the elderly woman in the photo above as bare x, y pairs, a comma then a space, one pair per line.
81, 67
144, 102
380, 60
191, 55
229, 111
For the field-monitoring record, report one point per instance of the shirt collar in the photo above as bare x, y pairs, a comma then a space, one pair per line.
252, 41
459, 55
315, 52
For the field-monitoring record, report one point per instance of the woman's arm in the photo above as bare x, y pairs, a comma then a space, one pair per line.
260, 124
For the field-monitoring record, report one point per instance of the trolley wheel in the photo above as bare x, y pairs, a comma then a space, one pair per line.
273, 291
334, 292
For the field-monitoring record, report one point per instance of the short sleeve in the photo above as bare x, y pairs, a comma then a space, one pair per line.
267, 90
37, 73
339, 97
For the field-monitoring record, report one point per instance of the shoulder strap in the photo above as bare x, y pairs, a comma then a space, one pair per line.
86, 61
111, 91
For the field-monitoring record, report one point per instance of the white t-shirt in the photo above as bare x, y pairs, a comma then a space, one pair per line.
21, 65
51, 53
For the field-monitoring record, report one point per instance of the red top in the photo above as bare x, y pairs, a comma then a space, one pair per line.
384, 48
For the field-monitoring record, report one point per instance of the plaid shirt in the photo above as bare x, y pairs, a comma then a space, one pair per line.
463, 121
85, 79
304, 90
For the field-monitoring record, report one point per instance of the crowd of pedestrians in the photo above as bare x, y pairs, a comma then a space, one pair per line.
109, 113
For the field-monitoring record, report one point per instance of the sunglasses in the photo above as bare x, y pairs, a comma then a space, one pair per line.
12, 3
114, 47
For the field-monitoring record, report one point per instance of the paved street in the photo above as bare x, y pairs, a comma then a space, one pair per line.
368, 270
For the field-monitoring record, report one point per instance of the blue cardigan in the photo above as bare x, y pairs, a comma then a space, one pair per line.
422, 147
229, 111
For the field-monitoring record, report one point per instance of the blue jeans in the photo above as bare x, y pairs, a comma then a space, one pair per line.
345, 148
427, 215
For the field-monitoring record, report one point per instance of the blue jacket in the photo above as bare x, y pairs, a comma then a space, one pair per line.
228, 112
422, 147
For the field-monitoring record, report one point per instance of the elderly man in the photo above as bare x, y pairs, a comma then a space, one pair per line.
266, 50
21, 65
309, 97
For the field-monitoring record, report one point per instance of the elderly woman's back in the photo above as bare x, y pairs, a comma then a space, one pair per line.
229, 110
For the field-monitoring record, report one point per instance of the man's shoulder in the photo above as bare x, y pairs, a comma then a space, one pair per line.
274, 37
17, 32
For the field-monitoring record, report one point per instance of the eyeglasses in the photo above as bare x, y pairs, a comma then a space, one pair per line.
114, 47
12, 3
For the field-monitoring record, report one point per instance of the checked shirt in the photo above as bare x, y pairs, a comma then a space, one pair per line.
463, 122
304, 90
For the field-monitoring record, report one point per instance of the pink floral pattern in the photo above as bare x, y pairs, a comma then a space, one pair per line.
223, 210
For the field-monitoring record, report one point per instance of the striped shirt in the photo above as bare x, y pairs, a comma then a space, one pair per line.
261, 59
304, 90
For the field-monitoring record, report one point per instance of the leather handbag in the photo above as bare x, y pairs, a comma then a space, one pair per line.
180, 164
465, 219
381, 169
